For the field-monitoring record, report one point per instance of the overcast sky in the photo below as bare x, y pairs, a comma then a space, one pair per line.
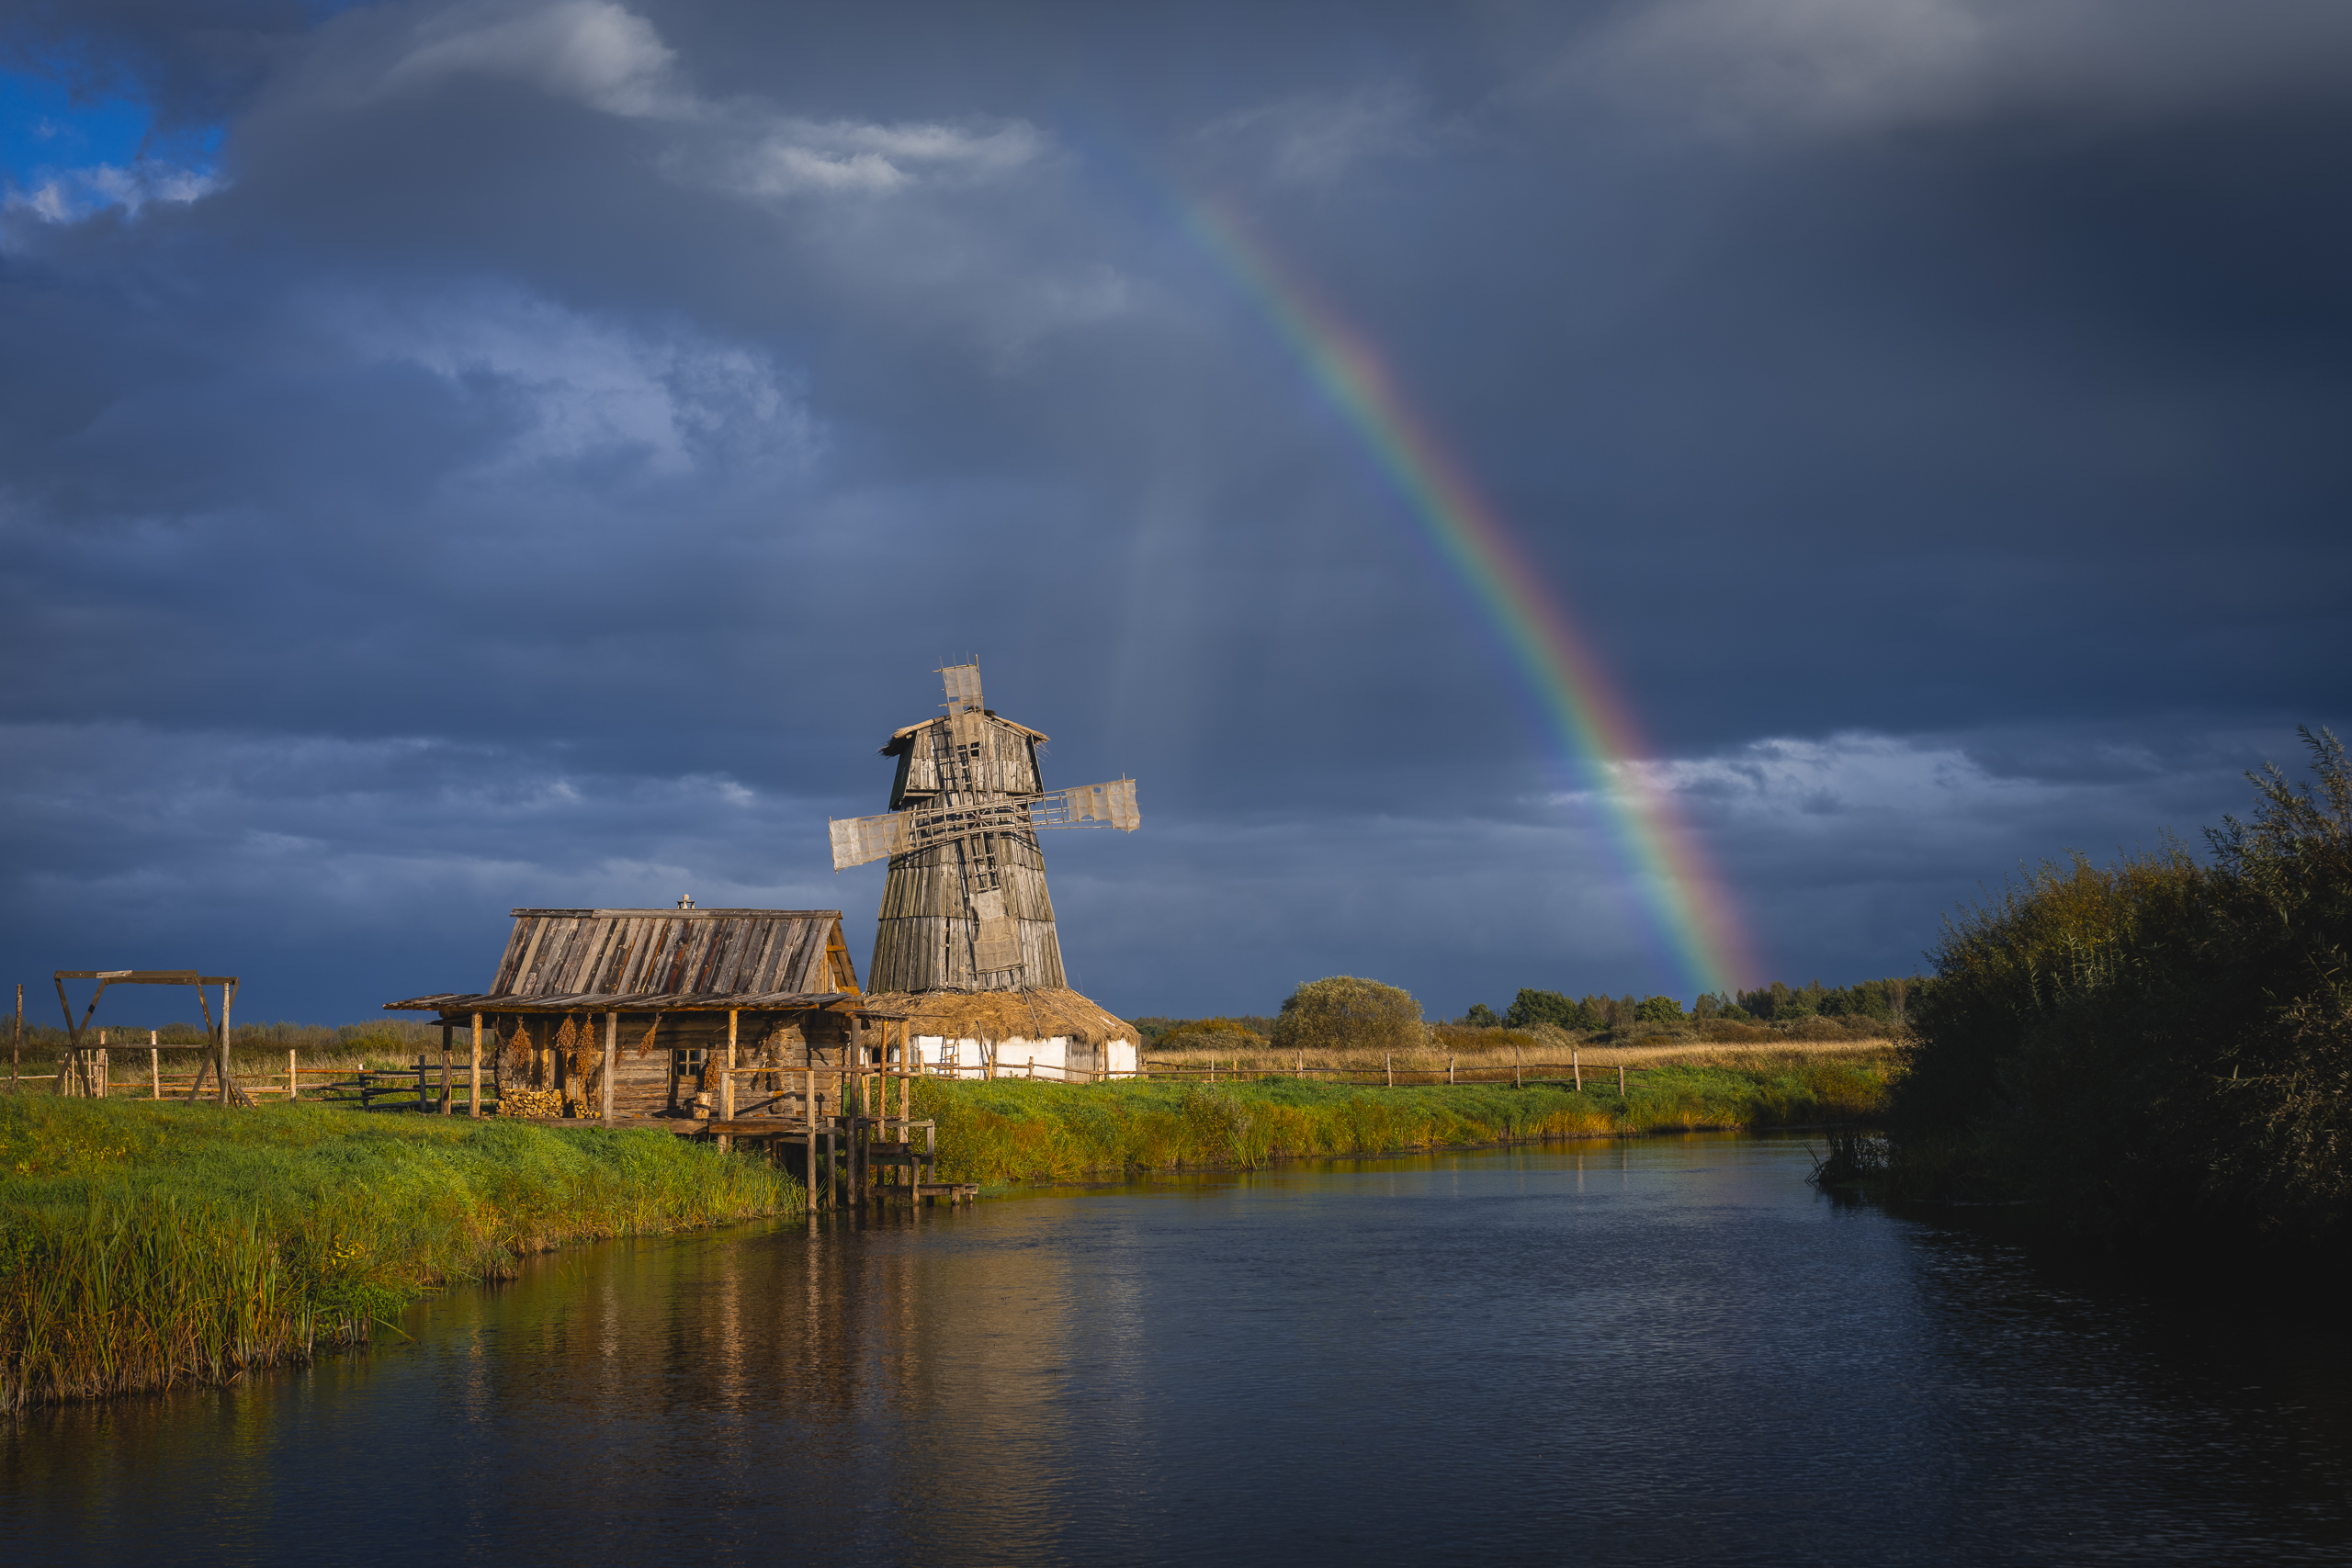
455, 456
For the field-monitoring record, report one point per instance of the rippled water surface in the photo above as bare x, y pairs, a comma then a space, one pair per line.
1667, 1351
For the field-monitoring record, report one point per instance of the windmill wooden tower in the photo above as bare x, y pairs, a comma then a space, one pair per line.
965, 906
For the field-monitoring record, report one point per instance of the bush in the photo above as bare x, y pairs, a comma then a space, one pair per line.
2158, 1039
1343, 1013
1659, 1010
1211, 1035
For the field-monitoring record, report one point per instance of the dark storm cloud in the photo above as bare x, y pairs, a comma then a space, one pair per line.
549, 444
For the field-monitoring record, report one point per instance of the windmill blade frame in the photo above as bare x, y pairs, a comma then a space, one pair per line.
857, 841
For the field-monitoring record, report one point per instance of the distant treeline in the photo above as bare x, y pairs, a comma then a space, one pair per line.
1885, 1003
2156, 1044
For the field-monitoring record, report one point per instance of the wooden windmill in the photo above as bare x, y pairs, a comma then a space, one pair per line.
965, 906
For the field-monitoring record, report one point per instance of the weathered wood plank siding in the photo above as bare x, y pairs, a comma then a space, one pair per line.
931, 928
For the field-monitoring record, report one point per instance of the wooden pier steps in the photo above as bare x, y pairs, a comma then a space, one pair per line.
953, 1191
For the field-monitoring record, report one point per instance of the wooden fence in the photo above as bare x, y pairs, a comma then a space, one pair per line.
100, 1075
1390, 1076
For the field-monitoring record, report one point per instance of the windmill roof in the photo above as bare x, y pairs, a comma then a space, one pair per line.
898, 737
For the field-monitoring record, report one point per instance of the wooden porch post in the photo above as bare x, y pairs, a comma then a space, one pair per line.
727, 1080
726, 1083
225, 993
857, 1109
449, 1048
612, 1058
473, 1101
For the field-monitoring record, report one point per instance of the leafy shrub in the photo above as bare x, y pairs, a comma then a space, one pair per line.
1346, 1014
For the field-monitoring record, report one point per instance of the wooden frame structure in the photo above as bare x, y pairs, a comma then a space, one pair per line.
218, 1058
764, 1000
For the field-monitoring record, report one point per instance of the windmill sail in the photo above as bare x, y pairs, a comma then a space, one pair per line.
858, 839
962, 683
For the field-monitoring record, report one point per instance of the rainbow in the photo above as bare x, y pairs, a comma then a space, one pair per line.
1662, 856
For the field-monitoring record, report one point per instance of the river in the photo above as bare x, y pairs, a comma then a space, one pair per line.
1666, 1350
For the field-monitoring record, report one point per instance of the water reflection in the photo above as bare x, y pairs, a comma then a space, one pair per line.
1668, 1350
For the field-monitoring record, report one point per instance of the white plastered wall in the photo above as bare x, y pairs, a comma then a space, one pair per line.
1019, 1058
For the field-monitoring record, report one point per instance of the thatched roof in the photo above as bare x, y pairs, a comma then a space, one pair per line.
1005, 1015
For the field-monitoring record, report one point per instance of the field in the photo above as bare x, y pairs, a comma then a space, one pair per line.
1492, 1055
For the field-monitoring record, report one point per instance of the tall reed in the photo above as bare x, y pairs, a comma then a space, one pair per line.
1010, 1130
145, 1244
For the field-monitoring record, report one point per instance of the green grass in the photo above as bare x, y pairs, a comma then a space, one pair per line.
143, 1244
1008, 1130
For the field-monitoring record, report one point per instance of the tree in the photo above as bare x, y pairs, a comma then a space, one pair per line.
1481, 1016
1549, 1007
1658, 1009
1343, 1013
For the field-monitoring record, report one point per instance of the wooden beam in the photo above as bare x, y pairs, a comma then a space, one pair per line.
726, 1078
473, 1103
612, 1058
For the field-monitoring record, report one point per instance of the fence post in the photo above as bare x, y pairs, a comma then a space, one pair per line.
154, 1067
1391, 1072
293, 1083
1620, 1081
1575, 1065
1449, 1071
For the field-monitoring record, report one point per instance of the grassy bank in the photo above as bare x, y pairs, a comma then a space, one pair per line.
143, 1244
1010, 1130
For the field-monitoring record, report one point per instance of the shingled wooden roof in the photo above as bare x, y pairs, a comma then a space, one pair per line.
571, 960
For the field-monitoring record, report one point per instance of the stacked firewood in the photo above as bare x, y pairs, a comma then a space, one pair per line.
516, 1101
